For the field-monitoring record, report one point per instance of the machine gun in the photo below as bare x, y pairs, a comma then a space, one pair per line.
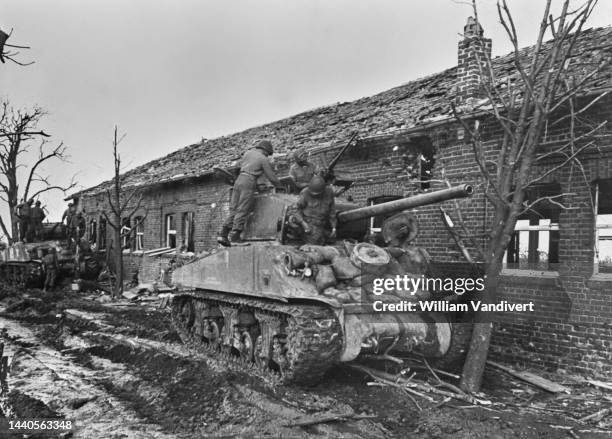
328, 172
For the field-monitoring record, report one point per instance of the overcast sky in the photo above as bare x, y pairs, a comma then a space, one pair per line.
170, 72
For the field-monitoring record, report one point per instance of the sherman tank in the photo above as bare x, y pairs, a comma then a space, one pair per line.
292, 310
21, 263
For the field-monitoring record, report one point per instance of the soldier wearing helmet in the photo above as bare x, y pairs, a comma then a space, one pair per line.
254, 163
316, 211
51, 267
301, 171
23, 212
37, 217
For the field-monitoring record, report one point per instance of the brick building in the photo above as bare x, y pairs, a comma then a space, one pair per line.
408, 141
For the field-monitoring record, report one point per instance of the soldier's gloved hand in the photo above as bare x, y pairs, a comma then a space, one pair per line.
333, 233
307, 229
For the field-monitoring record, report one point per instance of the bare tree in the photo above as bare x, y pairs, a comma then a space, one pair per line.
551, 93
11, 51
122, 205
18, 132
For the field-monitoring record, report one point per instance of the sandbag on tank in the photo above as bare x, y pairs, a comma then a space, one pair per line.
344, 269
325, 277
324, 253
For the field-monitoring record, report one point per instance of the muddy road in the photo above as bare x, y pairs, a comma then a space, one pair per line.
119, 371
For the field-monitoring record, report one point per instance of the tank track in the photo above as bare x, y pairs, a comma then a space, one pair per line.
311, 335
21, 274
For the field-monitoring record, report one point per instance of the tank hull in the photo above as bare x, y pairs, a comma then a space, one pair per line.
219, 307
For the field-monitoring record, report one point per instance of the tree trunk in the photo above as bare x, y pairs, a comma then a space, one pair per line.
473, 368
118, 253
14, 230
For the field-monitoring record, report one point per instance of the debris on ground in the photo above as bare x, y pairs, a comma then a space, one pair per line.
72, 355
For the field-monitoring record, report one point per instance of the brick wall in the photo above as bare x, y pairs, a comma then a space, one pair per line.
572, 327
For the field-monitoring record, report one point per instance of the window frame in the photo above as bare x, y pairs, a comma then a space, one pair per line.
168, 232
596, 231
553, 226
102, 233
188, 226
126, 233
93, 231
138, 228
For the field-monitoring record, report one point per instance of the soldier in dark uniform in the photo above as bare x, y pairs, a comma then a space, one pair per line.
23, 212
51, 268
79, 226
253, 164
76, 229
37, 217
316, 211
302, 171
67, 219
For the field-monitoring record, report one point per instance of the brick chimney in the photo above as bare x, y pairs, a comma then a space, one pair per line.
473, 49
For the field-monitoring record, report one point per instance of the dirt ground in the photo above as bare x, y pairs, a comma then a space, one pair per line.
117, 370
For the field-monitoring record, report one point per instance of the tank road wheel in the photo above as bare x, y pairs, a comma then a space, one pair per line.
213, 333
247, 347
279, 354
259, 355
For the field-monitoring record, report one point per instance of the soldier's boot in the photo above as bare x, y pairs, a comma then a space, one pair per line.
235, 237
222, 238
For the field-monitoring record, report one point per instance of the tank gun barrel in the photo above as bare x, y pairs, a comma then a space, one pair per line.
406, 203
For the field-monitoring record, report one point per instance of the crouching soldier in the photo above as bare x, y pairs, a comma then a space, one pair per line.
316, 211
51, 267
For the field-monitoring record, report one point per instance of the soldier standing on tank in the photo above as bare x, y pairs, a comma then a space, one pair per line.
51, 267
253, 164
76, 229
23, 212
301, 171
79, 226
37, 217
316, 211
67, 219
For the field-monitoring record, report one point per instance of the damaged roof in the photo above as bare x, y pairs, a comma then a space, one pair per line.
412, 105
